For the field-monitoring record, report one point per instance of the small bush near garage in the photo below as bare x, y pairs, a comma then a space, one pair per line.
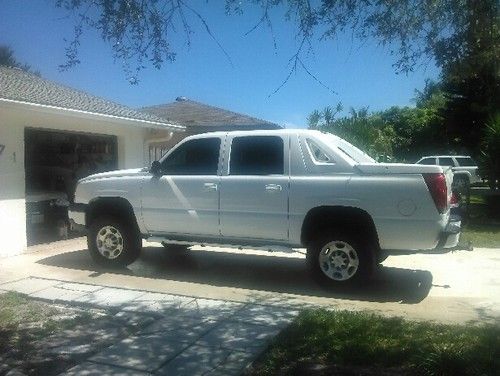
322, 342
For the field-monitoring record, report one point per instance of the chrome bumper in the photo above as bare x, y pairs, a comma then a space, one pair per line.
451, 234
450, 237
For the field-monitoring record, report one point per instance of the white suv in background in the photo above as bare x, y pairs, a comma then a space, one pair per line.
464, 167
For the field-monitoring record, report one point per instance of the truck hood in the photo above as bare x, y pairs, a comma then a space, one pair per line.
117, 174
399, 168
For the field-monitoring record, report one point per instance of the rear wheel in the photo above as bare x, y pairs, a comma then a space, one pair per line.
113, 242
340, 260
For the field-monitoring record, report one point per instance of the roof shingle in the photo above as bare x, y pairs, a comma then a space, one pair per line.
194, 114
18, 85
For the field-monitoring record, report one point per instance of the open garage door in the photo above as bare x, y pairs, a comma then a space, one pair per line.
54, 161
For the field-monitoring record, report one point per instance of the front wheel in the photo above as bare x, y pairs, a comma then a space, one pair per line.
340, 260
112, 242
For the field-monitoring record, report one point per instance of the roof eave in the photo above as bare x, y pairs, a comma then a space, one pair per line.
87, 114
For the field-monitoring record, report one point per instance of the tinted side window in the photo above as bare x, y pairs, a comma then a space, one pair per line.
466, 162
427, 161
317, 153
257, 155
446, 162
195, 157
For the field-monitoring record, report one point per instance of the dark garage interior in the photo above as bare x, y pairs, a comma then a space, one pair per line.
54, 161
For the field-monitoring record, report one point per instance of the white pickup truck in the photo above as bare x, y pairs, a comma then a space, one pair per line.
272, 189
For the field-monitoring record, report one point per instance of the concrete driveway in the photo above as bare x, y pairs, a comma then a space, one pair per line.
455, 287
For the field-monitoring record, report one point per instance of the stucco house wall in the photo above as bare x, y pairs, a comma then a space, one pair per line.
29, 101
14, 118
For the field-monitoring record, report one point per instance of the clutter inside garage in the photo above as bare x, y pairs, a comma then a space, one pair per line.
54, 161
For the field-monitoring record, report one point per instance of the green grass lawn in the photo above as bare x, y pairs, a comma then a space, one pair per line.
25, 321
481, 235
481, 227
324, 340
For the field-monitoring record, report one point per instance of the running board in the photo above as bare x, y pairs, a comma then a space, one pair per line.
267, 248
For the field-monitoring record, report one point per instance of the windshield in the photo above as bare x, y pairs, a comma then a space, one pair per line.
347, 149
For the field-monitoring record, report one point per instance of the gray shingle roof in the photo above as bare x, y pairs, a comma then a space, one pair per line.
194, 114
18, 85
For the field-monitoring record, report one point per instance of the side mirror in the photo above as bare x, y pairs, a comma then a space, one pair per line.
155, 168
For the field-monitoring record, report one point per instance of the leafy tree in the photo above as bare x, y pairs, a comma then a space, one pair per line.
420, 130
368, 132
7, 59
414, 30
404, 133
490, 153
461, 36
471, 82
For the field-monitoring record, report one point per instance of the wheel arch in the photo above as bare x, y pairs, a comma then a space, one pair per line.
324, 218
114, 206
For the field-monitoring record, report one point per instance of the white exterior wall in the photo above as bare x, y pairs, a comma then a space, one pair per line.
14, 119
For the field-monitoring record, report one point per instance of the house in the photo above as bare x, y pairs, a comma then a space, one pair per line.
52, 135
199, 118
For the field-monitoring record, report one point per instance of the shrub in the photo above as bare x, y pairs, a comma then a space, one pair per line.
489, 161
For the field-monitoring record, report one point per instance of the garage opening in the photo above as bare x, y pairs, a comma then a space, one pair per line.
54, 161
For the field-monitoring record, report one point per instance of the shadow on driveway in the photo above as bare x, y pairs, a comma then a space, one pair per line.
256, 272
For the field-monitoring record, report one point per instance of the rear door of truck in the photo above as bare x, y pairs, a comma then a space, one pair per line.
254, 188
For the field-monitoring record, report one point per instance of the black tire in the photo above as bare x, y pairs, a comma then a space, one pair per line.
347, 251
120, 252
381, 257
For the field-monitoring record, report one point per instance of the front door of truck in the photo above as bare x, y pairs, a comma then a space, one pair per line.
184, 198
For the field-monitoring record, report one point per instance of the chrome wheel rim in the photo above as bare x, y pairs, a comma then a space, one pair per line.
109, 242
338, 260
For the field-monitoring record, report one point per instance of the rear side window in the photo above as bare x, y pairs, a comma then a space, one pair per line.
428, 161
446, 162
465, 161
195, 157
257, 155
318, 154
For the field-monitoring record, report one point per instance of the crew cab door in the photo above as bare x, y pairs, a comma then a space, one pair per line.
254, 188
184, 199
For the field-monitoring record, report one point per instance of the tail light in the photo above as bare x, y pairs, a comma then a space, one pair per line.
436, 183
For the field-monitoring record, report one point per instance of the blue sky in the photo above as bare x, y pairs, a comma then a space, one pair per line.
360, 74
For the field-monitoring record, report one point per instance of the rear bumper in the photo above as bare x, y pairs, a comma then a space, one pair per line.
450, 236
448, 241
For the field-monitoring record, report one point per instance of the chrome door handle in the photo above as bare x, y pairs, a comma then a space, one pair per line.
273, 188
210, 187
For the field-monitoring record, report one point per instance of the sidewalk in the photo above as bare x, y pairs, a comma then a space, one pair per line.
178, 335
